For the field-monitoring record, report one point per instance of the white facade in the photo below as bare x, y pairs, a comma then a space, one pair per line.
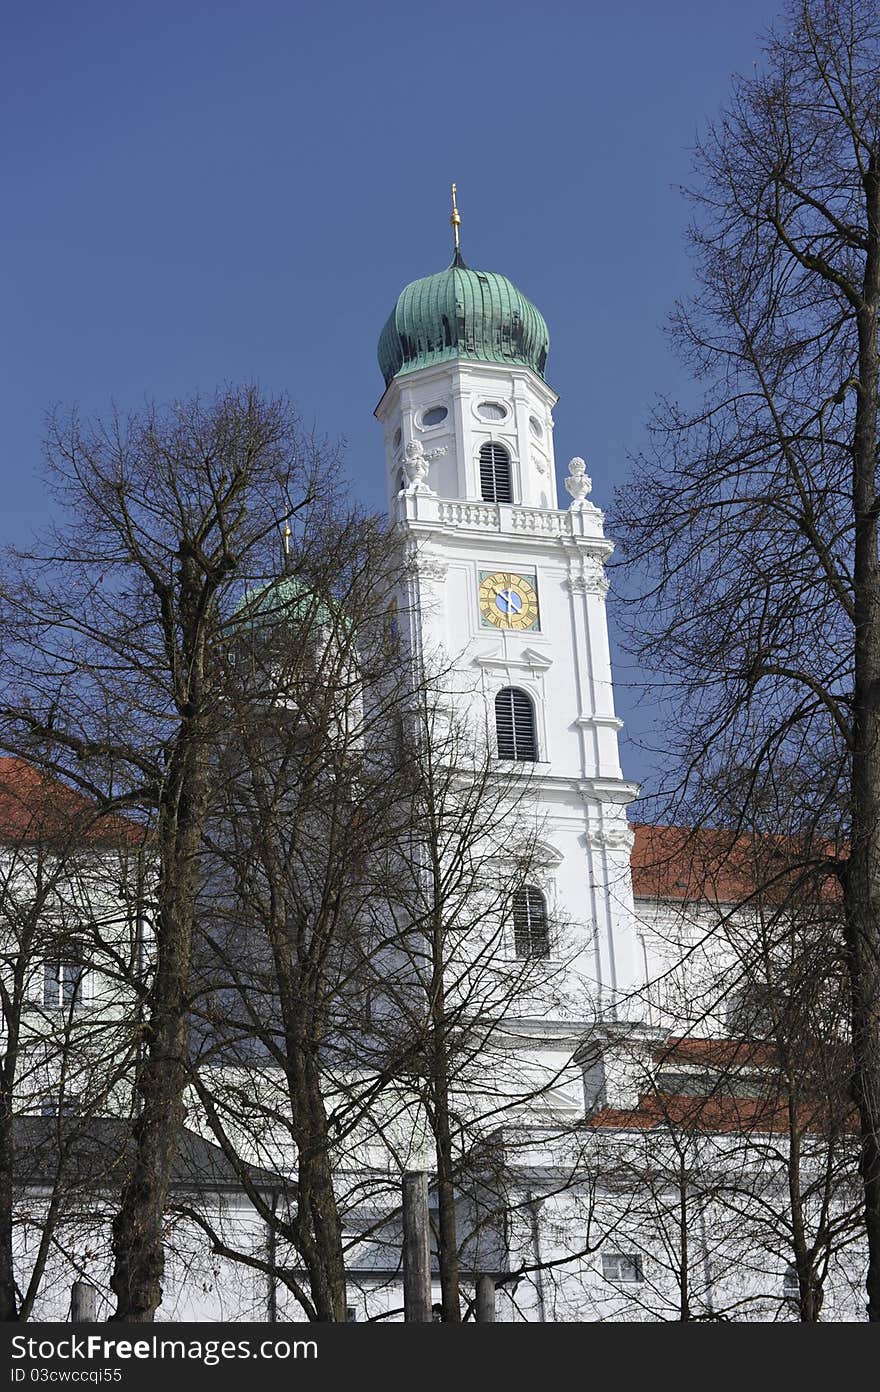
412, 403
563, 664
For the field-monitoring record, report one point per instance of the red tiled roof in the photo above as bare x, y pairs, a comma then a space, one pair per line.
718, 866
717, 1053
714, 1113
717, 1109
35, 807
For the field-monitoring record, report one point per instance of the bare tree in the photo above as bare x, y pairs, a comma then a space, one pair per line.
756, 1004
70, 986
292, 921
783, 996
757, 519
111, 680
370, 855
736, 1183
480, 960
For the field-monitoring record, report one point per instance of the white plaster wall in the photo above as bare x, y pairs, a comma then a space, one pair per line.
576, 785
453, 445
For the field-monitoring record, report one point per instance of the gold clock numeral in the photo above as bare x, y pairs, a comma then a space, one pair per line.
508, 600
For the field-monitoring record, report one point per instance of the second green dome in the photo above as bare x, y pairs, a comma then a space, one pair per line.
461, 313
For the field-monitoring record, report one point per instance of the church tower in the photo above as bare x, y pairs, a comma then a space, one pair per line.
511, 587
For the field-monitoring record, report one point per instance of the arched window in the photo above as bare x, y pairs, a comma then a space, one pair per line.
495, 475
515, 725
530, 935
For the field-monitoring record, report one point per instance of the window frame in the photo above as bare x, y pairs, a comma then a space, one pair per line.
422, 421
493, 446
535, 756
620, 1280
64, 974
528, 935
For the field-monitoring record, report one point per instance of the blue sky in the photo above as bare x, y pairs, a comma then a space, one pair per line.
207, 192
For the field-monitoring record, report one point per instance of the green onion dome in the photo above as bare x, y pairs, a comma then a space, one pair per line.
285, 600
460, 313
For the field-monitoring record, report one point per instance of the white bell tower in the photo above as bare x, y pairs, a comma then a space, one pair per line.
512, 588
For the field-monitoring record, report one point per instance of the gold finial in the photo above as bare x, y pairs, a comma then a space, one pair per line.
456, 217
287, 535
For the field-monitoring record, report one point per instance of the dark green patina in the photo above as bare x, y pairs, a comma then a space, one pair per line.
461, 313
285, 600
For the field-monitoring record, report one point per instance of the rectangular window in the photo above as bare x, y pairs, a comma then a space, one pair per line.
63, 983
790, 1285
57, 1105
530, 933
625, 1268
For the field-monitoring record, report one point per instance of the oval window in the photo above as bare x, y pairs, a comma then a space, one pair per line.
491, 410
536, 427
434, 416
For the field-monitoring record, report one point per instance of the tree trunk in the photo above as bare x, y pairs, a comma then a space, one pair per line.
809, 1292
684, 1297
10, 1308
138, 1246
447, 1244
438, 1053
862, 882
8, 1302
318, 1220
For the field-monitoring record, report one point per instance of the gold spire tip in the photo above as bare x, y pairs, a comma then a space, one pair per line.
287, 535
456, 217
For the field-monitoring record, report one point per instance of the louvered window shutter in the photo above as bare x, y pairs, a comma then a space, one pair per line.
515, 726
531, 937
495, 474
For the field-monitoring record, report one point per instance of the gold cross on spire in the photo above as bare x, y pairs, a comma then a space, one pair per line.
456, 218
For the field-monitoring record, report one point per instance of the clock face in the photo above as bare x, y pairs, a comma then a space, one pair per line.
508, 600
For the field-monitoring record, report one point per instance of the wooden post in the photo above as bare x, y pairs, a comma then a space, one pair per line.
485, 1300
83, 1303
416, 1249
